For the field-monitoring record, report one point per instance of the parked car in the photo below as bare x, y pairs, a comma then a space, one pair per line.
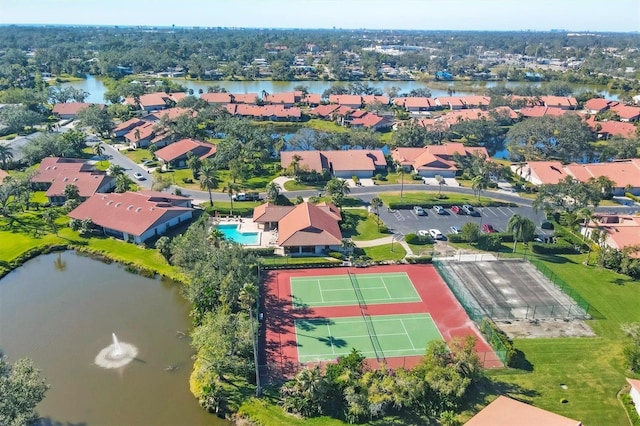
470, 210
423, 233
457, 210
138, 176
488, 228
419, 211
436, 234
454, 230
439, 210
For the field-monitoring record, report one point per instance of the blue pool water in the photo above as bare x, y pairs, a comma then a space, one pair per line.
231, 232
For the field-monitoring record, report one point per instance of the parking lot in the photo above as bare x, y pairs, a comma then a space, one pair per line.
407, 221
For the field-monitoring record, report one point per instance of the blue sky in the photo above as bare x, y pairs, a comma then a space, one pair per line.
542, 15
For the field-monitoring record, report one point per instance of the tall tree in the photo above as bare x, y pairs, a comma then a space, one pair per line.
194, 163
22, 387
522, 228
208, 178
337, 190
376, 203
478, 184
97, 118
6, 155
273, 192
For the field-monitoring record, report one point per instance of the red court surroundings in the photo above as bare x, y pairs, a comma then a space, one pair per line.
280, 346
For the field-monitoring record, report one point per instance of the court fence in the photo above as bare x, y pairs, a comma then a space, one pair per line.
480, 319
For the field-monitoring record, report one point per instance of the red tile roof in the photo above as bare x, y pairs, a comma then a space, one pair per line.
541, 111
372, 99
508, 412
87, 182
597, 104
626, 112
156, 99
280, 98
615, 128
182, 147
173, 113
266, 111
434, 157
309, 225
129, 124
130, 212
476, 101
415, 102
349, 100
269, 213
324, 110
72, 108
217, 98
559, 102
450, 102
245, 98
370, 120
50, 168
312, 98
621, 230
352, 159
550, 172
634, 384
142, 132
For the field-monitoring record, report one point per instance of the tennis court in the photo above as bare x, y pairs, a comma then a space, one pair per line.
378, 336
352, 289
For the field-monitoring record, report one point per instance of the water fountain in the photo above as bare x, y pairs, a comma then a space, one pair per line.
117, 354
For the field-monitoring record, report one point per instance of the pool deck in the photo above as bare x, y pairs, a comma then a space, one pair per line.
265, 238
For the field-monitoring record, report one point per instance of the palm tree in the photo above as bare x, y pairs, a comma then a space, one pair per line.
98, 149
248, 297
194, 163
231, 189
6, 155
115, 170
208, 178
440, 181
376, 203
49, 217
478, 184
587, 215
295, 164
273, 191
123, 183
522, 228
337, 189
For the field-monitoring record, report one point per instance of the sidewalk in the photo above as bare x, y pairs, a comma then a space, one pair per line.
384, 240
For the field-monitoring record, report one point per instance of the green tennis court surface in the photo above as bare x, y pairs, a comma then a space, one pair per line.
352, 289
385, 336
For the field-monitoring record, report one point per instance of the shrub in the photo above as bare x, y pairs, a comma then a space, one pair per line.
419, 259
380, 177
262, 251
490, 242
560, 247
456, 238
495, 336
187, 180
418, 239
336, 255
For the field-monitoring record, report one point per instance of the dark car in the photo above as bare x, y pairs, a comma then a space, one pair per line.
488, 228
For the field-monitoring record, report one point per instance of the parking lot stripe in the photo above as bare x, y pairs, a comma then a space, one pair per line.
500, 210
492, 212
511, 211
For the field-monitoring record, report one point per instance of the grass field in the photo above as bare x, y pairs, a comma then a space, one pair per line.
385, 336
344, 290
366, 225
591, 368
431, 197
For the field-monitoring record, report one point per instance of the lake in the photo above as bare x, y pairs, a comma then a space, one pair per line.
60, 310
96, 88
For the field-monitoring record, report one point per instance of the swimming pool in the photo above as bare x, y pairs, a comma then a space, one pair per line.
232, 233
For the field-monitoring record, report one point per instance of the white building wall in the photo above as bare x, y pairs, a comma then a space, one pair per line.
449, 174
348, 174
635, 396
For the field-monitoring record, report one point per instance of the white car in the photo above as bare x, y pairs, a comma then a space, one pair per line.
138, 176
436, 234
423, 233
419, 211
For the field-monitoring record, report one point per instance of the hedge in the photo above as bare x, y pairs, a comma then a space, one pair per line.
633, 197
419, 259
418, 239
511, 355
560, 247
429, 204
262, 251
226, 211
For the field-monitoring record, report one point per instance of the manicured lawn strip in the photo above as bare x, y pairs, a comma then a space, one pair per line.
138, 155
430, 198
592, 368
292, 185
396, 179
279, 260
367, 227
383, 252
421, 249
267, 411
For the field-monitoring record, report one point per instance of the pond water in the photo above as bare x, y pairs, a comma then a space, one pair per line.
60, 310
96, 88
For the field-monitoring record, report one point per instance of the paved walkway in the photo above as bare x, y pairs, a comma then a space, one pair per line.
281, 180
384, 240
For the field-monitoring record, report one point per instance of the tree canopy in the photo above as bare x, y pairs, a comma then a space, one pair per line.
22, 387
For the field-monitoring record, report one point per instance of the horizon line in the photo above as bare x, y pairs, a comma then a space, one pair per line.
200, 27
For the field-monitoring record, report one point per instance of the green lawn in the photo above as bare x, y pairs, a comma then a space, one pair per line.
366, 225
384, 252
591, 368
396, 179
421, 249
138, 155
